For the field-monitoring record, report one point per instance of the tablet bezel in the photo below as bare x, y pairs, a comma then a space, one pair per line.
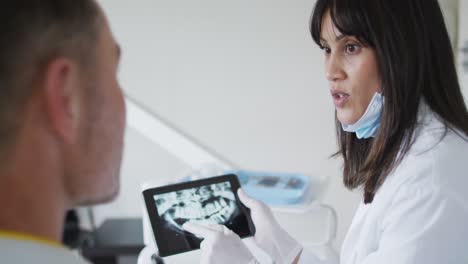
156, 221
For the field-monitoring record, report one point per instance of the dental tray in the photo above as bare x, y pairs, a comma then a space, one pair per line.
274, 189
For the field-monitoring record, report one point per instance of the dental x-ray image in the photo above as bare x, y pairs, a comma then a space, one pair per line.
204, 202
205, 205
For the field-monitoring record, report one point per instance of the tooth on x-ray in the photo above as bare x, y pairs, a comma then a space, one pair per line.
211, 204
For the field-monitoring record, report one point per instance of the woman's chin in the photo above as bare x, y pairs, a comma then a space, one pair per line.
346, 116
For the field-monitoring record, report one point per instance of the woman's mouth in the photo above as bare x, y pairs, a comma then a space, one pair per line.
340, 99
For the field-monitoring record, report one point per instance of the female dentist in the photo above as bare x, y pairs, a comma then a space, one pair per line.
402, 127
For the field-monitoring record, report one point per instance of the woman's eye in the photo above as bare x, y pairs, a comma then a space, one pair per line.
352, 48
326, 50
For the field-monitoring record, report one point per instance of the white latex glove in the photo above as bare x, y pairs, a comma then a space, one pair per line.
220, 245
269, 235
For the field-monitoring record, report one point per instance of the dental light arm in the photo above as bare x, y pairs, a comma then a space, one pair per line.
169, 138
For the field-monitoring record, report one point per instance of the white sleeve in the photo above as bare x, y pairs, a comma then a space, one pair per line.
422, 226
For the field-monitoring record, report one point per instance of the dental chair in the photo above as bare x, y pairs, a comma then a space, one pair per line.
314, 226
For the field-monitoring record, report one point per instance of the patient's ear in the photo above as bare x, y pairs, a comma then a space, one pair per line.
61, 84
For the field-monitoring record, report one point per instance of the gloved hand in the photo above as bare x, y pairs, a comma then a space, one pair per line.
270, 236
220, 245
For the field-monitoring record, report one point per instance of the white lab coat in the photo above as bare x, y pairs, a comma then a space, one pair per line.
14, 251
420, 213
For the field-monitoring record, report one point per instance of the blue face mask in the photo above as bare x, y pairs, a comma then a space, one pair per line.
369, 123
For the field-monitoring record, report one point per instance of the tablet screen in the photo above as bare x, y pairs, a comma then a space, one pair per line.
203, 202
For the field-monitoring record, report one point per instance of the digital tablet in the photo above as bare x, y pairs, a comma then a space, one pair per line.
207, 201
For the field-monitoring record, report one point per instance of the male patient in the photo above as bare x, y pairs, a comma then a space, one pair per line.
62, 119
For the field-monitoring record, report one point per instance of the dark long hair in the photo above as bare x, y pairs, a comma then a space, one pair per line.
415, 61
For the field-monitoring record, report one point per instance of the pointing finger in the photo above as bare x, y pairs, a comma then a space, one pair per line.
199, 230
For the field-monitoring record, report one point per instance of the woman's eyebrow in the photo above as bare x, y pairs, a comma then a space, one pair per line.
323, 41
338, 38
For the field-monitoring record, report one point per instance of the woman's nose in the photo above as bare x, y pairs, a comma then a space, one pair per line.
334, 69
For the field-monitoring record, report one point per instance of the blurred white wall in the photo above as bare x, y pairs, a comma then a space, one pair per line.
450, 9
456, 17
462, 49
243, 77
